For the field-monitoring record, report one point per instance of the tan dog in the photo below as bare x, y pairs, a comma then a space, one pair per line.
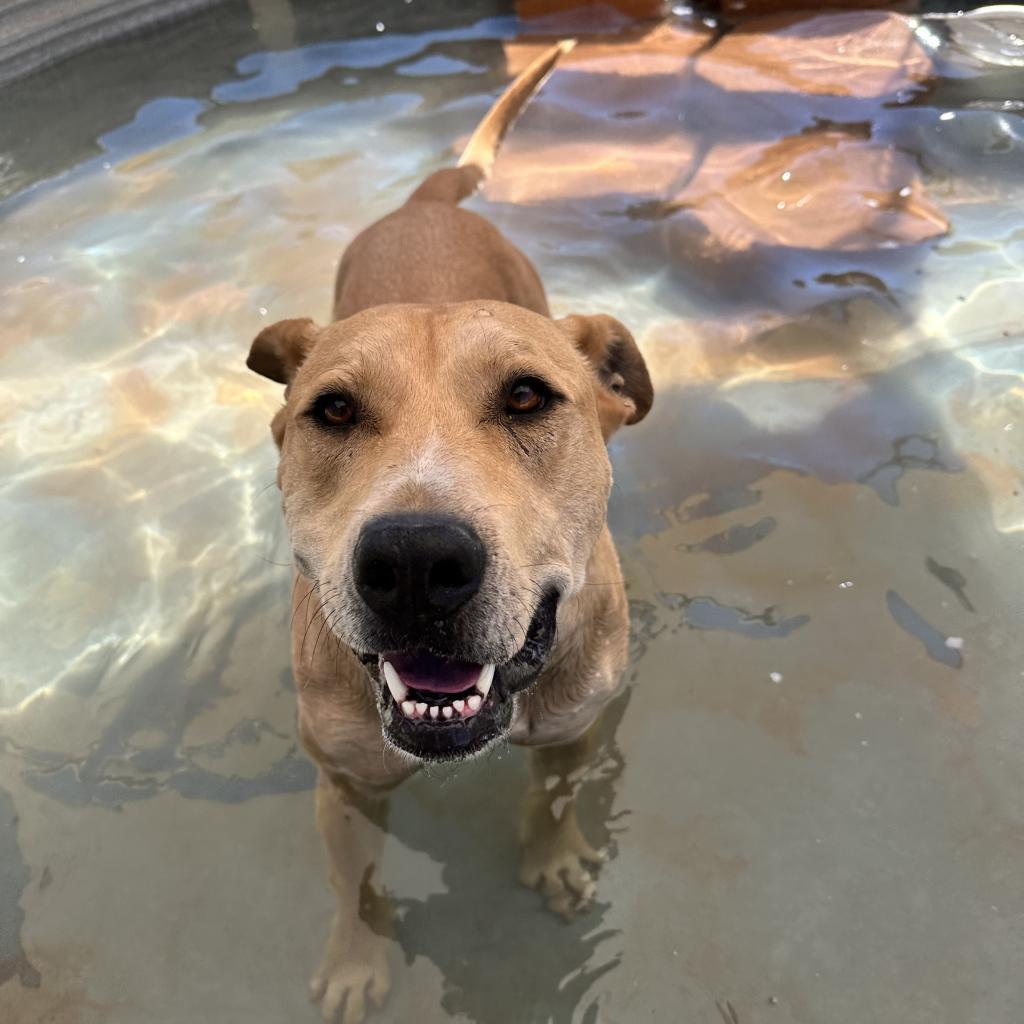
445, 480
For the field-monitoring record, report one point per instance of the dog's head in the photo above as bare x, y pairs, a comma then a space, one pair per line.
444, 479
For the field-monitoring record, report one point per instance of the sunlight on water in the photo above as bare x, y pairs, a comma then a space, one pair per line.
815, 229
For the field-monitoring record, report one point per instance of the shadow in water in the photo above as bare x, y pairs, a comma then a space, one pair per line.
14, 876
504, 957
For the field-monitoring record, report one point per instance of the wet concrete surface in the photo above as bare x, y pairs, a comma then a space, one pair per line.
810, 786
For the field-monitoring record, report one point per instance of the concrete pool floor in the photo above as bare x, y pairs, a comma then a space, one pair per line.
841, 842
810, 787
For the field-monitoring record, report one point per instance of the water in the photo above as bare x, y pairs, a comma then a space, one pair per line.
811, 785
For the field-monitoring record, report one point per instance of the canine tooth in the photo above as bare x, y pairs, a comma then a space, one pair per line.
398, 689
421, 709
483, 684
434, 711
408, 708
447, 711
474, 702
458, 705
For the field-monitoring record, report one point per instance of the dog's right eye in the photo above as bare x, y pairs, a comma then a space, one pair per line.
334, 410
526, 395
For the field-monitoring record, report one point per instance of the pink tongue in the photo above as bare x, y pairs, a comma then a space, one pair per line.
423, 671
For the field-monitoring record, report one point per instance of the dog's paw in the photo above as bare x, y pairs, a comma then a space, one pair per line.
558, 867
347, 985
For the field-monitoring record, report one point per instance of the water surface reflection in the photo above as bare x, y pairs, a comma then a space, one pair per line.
810, 786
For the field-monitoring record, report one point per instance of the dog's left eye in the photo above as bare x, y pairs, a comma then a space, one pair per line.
526, 395
334, 410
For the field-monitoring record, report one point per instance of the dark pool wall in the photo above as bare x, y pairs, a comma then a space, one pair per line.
48, 62
38, 34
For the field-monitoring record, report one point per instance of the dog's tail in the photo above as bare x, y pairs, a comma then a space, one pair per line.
453, 184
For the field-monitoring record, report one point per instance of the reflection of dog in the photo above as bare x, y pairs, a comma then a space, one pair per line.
444, 481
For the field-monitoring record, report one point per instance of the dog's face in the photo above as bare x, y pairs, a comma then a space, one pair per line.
444, 479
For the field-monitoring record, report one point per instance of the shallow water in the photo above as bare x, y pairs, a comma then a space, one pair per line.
810, 786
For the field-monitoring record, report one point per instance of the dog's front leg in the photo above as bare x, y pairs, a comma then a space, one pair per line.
556, 856
354, 971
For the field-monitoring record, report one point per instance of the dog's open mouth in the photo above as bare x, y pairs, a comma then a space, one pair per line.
426, 686
439, 708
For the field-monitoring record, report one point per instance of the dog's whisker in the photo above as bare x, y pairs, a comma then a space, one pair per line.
270, 561
323, 626
305, 600
309, 623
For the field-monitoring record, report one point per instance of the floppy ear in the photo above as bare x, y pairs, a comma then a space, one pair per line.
624, 392
279, 350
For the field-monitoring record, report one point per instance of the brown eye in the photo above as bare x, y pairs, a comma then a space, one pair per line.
525, 396
334, 410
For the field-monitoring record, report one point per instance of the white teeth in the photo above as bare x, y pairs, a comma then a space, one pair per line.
483, 684
398, 689
463, 708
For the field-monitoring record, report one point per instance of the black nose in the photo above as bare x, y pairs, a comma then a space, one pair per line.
418, 567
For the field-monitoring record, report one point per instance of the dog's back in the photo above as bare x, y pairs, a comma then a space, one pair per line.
430, 250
